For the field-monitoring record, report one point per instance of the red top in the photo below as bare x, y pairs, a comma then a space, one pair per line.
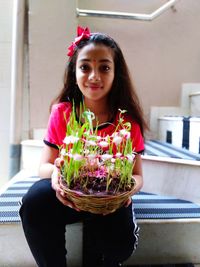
56, 130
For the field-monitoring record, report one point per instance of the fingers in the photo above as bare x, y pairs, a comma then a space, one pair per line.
58, 162
62, 196
128, 202
55, 179
60, 193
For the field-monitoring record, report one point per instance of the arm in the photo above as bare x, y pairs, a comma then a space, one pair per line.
49, 154
138, 176
137, 173
47, 169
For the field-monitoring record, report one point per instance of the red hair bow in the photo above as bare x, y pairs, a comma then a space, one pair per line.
81, 35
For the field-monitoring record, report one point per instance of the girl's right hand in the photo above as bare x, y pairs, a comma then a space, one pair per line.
55, 183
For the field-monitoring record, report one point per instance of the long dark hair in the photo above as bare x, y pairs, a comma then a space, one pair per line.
122, 94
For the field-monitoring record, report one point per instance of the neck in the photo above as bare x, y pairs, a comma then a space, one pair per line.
100, 109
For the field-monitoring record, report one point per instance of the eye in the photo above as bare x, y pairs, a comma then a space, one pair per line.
104, 68
84, 67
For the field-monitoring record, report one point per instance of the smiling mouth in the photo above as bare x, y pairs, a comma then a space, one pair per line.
94, 87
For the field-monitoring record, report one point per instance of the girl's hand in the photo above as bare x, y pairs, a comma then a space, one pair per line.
128, 202
55, 183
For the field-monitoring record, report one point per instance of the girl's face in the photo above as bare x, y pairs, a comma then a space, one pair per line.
95, 71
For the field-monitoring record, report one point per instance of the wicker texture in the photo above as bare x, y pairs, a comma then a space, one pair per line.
97, 203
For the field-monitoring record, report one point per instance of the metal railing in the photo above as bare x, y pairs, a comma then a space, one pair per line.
125, 15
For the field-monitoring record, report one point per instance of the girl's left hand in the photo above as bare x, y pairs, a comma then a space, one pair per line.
128, 202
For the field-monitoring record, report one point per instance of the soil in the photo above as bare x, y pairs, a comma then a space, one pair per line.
98, 185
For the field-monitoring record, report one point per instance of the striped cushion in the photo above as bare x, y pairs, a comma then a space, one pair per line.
152, 206
146, 205
10, 199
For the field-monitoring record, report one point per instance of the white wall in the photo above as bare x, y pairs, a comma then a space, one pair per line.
52, 26
5, 76
162, 54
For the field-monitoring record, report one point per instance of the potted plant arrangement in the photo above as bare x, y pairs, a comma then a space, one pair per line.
97, 170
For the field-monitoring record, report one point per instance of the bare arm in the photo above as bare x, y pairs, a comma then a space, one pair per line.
47, 169
137, 173
49, 154
138, 176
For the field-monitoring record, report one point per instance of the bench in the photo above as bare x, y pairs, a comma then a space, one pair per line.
164, 149
169, 229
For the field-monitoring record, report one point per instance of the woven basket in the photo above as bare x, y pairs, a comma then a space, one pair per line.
97, 203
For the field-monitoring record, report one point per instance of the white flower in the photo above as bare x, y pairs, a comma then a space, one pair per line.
125, 133
117, 140
91, 156
118, 155
70, 139
90, 143
63, 152
103, 144
113, 160
86, 151
115, 134
130, 157
107, 138
77, 157
106, 156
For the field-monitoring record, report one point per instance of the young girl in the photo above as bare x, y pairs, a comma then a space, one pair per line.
96, 75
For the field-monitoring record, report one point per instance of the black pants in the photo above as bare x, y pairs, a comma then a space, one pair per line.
112, 237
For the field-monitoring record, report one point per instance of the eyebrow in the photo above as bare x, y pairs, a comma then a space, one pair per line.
101, 60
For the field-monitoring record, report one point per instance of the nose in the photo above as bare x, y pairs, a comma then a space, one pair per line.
94, 75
